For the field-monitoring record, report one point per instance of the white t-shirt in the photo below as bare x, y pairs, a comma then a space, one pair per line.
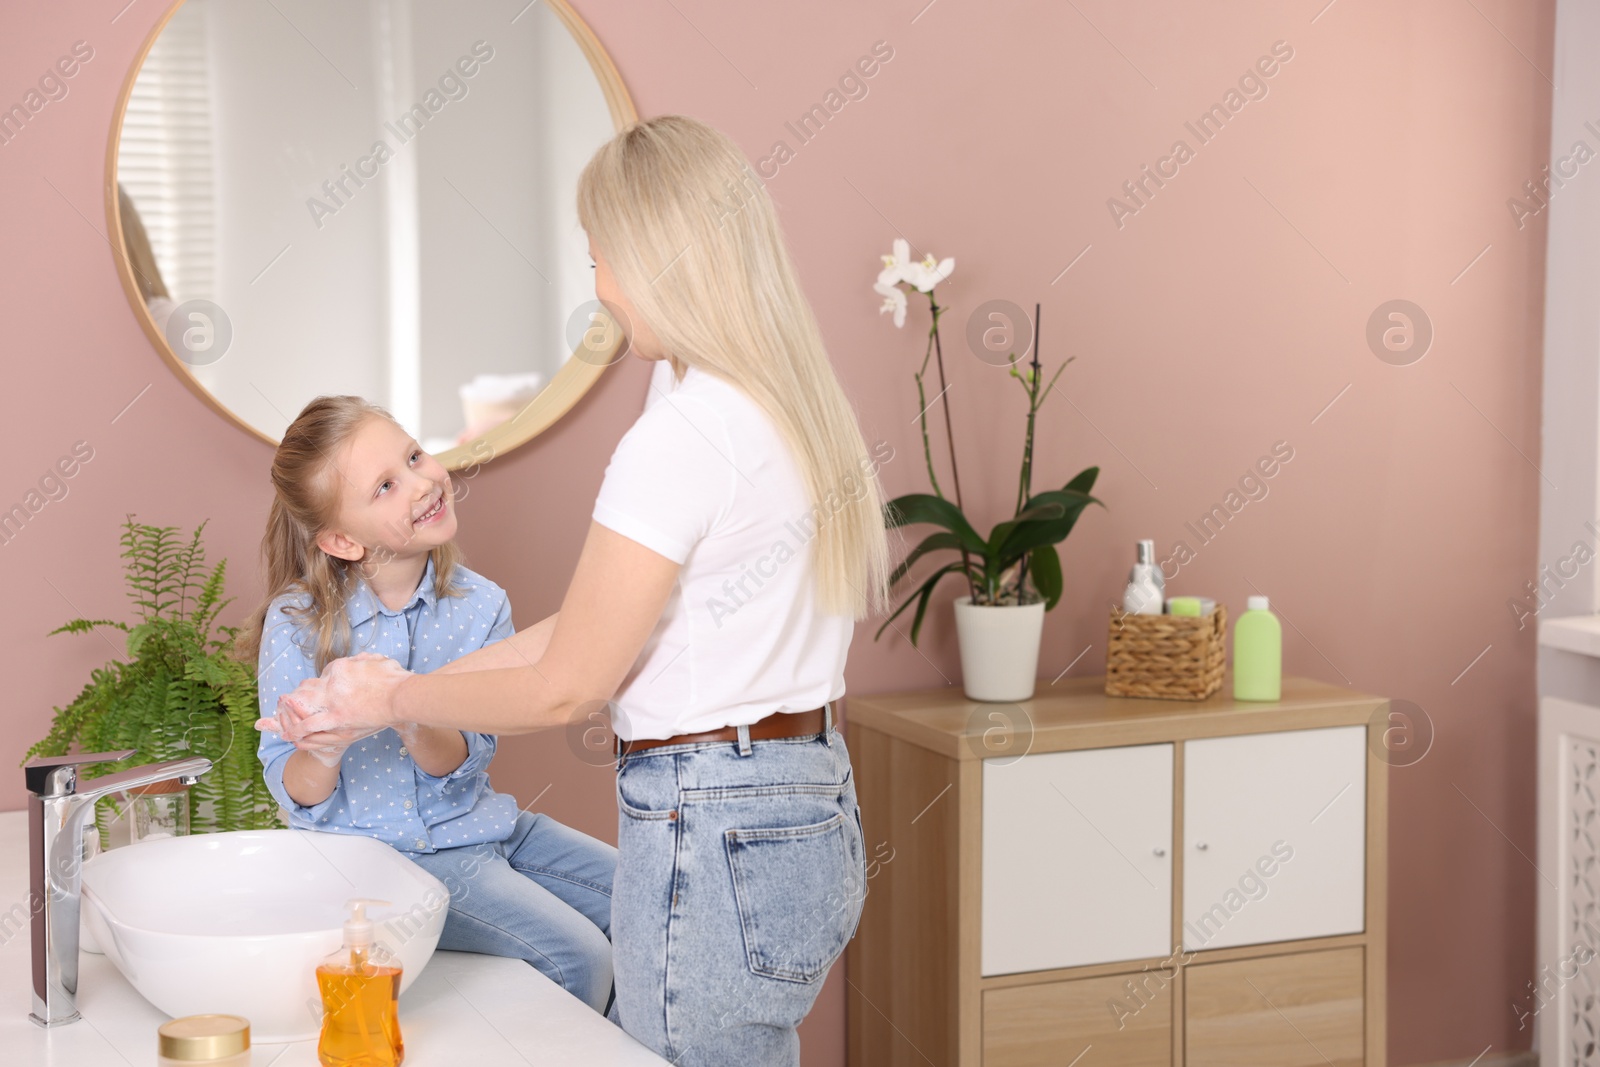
705, 479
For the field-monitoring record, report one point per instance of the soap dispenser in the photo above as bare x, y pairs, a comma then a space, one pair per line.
1147, 586
360, 986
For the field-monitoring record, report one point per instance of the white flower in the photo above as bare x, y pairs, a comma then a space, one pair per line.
896, 264
927, 274
898, 267
894, 299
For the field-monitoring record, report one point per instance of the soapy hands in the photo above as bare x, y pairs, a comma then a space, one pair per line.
288, 723
352, 700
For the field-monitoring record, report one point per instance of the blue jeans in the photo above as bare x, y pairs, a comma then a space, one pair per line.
740, 877
542, 895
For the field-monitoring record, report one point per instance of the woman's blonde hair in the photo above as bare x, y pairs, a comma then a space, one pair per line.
305, 502
693, 241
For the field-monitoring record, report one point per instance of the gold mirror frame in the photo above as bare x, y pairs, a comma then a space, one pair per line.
566, 386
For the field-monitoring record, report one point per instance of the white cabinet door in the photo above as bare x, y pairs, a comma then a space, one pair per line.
1076, 864
1274, 829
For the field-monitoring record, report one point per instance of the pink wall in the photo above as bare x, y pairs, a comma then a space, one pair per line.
1223, 317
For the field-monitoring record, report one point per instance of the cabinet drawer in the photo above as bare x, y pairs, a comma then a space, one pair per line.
1076, 863
1050, 1025
1274, 830
1303, 1009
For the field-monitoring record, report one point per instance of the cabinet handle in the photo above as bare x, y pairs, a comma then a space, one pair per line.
1201, 845
1160, 851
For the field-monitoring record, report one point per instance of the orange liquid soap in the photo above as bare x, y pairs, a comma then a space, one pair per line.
360, 987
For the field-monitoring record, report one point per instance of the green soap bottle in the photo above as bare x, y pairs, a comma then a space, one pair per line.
1257, 653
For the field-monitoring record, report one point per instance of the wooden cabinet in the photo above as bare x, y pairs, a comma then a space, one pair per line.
1134, 881
1274, 836
1049, 817
1303, 1009
1052, 1025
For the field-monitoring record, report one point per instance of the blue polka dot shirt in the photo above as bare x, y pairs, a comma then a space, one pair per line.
381, 792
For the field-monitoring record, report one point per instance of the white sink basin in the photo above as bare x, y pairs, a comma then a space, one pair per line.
238, 922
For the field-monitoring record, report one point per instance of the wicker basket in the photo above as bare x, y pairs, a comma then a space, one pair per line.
1171, 657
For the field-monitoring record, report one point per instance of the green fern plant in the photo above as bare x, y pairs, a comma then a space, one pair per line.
180, 693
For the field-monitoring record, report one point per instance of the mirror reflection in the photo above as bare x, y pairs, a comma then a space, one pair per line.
372, 198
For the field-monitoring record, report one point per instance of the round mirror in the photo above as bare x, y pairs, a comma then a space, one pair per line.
373, 197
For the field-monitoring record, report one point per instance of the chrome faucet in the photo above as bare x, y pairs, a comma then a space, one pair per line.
57, 812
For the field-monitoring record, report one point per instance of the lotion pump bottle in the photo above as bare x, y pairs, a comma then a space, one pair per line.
1257, 653
360, 987
1146, 591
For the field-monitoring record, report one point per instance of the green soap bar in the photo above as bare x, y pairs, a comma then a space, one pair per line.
1183, 605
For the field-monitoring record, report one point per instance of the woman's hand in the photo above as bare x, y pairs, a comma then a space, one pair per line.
617, 595
522, 649
353, 699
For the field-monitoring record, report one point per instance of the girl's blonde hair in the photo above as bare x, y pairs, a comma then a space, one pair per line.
305, 502
694, 243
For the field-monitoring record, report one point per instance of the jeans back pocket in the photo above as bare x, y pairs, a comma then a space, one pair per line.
793, 887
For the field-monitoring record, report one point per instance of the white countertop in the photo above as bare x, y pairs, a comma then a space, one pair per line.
462, 1008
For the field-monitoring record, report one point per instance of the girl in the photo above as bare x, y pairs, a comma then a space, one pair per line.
738, 534
360, 558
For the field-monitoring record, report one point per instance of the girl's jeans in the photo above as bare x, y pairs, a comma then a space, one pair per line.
542, 895
740, 877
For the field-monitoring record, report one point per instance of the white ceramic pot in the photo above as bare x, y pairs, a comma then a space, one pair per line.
999, 648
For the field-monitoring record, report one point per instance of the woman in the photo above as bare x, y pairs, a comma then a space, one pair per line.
737, 535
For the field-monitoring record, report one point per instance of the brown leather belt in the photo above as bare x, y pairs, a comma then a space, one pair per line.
778, 724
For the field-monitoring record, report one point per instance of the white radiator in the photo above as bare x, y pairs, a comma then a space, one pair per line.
1562, 1001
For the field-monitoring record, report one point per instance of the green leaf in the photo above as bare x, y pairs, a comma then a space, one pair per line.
208, 671
932, 543
924, 507
1051, 509
1044, 570
1083, 481
922, 593
137, 638
922, 608
1047, 531
182, 691
83, 626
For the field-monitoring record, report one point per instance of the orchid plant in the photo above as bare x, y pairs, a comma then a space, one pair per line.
1018, 562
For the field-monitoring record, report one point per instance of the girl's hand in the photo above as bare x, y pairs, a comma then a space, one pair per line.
294, 707
291, 715
353, 699
286, 721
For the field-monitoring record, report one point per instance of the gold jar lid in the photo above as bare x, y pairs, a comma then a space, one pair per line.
199, 1038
